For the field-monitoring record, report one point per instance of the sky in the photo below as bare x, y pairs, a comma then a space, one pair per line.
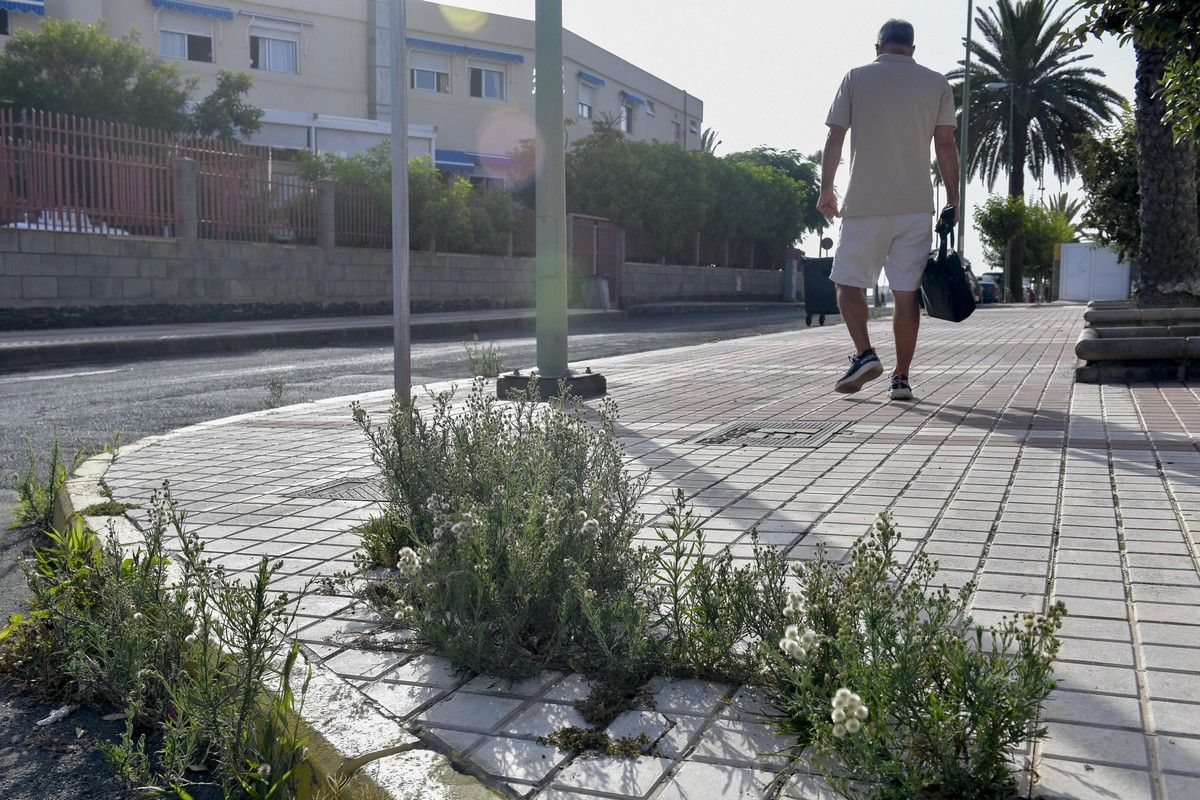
768, 69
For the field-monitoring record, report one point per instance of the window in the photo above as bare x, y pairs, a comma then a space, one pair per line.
274, 55
189, 46
3, 22
587, 99
649, 108
626, 118
487, 83
676, 132
429, 72
694, 127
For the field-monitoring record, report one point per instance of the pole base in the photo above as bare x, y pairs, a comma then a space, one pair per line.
584, 385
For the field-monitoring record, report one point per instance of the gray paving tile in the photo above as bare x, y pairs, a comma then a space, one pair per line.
704, 781
517, 759
476, 712
633, 777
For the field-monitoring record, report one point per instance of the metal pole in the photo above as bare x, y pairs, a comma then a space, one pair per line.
1012, 135
402, 357
964, 132
551, 187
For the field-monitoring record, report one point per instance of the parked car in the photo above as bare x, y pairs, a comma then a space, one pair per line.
65, 220
989, 289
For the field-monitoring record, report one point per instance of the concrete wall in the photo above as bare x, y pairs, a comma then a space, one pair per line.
50, 279
643, 283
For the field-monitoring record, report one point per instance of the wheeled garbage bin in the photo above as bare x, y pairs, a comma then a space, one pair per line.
820, 295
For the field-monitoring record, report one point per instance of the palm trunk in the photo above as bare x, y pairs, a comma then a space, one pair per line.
1167, 272
1016, 188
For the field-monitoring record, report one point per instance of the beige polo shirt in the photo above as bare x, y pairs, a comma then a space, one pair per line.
891, 107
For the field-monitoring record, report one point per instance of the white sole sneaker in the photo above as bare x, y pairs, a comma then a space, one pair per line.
857, 379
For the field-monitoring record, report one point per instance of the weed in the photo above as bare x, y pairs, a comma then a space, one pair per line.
383, 537
185, 651
582, 740
517, 511
886, 673
109, 508
606, 702
275, 388
36, 494
483, 360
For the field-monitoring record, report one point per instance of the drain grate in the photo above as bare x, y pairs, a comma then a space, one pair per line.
799, 433
365, 489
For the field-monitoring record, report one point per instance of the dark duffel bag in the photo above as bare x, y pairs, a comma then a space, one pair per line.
944, 285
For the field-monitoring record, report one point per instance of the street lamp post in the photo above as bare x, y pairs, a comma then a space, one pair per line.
1012, 135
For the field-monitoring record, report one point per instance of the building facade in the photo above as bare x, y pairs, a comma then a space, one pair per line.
322, 75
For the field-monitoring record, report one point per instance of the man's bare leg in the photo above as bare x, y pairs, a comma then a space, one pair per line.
853, 306
905, 323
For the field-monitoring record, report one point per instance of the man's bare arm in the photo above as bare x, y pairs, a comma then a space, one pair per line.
830, 159
947, 159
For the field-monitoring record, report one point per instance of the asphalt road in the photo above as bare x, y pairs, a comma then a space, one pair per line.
86, 405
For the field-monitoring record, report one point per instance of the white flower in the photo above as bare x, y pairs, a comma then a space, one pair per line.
794, 605
841, 697
590, 527
264, 771
589, 594
860, 713
458, 527
838, 715
849, 712
581, 516
852, 725
808, 638
839, 730
407, 561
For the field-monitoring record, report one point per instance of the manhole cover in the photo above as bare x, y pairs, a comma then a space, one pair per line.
799, 433
366, 489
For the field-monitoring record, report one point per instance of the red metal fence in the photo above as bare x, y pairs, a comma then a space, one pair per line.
597, 248
238, 208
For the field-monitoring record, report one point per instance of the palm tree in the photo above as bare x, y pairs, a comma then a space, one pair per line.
709, 141
1069, 208
1054, 100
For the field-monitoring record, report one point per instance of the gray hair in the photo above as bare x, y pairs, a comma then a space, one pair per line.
895, 31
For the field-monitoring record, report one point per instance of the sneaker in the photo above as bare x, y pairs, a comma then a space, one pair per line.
900, 388
863, 368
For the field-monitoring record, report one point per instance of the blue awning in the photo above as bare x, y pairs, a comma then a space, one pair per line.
465, 50
454, 161
31, 6
633, 98
588, 77
203, 9
483, 160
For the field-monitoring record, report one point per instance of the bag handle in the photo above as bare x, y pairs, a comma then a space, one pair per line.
944, 230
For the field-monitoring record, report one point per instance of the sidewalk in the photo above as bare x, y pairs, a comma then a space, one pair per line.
1004, 470
43, 348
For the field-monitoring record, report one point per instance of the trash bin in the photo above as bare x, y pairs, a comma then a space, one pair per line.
820, 295
593, 290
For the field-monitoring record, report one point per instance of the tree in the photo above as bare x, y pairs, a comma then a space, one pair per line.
70, 67
225, 114
445, 211
1070, 208
800, 168
1108, 165
709, 142
1165, 36
1000, 220
1055, 100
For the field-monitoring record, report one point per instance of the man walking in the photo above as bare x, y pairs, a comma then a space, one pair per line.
894, 107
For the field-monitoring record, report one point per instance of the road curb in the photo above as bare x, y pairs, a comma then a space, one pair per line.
51, 354
349, 741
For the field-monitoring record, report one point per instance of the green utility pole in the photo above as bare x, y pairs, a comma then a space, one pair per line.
553, 263
551, 188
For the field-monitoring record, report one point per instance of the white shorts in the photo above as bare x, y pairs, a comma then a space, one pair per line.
898, 244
